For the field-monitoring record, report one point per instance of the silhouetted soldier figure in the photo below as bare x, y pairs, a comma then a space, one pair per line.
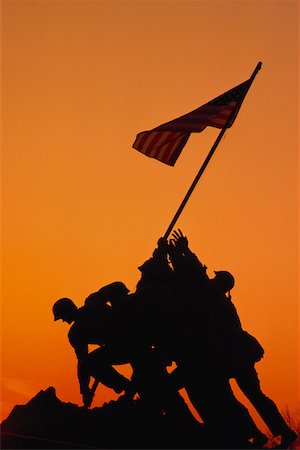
199, 360
124, 337
159, 304
238, 350
240, 365
144, 332
89, 327
174, 307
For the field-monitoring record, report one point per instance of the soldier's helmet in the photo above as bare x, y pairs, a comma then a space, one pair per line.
64, 308
113, 290
224, 280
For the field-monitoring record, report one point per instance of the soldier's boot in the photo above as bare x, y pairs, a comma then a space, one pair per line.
287, 438
260, 440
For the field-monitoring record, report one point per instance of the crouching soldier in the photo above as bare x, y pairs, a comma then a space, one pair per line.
91, 328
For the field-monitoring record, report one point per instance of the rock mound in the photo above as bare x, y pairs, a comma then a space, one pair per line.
47, 422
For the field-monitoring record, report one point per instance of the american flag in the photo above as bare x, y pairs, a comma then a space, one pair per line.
166, 141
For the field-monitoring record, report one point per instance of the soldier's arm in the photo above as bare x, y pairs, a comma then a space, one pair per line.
183, 257
161, 252
81, 350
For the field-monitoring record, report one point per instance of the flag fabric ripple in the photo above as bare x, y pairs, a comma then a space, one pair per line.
166, 141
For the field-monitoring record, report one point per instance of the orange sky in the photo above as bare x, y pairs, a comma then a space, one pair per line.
81, 208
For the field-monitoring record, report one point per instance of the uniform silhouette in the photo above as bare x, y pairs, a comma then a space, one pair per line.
201, 367
187, 343
176, 314
121, 331
237, 350
89, 327
240, 365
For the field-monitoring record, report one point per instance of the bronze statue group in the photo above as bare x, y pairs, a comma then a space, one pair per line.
179, 316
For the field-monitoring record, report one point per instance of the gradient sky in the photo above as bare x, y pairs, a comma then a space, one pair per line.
81, 208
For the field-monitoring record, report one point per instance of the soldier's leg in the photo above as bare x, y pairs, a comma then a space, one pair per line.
155, 386
98, 364
247, 380
237, 416
160, 396
212, 397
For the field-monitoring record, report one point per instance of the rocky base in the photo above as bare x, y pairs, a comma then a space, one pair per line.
47, 422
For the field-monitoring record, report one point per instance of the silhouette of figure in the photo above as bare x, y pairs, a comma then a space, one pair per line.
150, 377
199, 360
158, 303
158, 307
90, 328
237, 350
241, 367
121, 331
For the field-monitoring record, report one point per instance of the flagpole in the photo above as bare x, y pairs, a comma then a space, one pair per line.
208, 158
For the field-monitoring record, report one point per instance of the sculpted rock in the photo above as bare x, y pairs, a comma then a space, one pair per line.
47, 422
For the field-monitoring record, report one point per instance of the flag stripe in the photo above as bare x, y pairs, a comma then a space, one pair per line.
159, 141
166, 141
165, 152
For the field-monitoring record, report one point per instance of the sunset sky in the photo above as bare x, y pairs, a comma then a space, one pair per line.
81, 208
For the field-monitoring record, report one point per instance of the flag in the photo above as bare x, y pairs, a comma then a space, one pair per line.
166, 141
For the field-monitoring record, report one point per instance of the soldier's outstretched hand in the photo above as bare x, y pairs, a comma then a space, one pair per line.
172, 250
179, 239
